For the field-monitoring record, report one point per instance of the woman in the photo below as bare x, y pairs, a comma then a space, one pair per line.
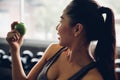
81, 23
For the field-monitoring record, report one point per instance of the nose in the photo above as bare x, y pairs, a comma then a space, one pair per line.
57, 26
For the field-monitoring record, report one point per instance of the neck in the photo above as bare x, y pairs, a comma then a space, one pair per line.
79, 55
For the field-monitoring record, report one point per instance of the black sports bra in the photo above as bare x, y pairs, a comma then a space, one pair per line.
79, 75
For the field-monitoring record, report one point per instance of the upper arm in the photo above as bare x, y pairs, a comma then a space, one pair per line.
49, 52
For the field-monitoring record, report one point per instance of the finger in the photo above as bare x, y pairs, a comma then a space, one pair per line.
9, 39
17, 32
16, 37
13, 35
13, 24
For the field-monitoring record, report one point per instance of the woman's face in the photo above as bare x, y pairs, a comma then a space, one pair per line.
65, 31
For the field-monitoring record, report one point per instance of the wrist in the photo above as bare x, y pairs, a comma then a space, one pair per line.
14, 50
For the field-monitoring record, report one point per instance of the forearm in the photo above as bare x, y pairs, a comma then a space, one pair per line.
17, 68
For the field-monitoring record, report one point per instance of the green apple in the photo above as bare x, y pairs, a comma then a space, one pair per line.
20, 28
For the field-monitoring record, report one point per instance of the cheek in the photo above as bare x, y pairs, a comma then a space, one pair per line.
65, 30
61, 29
65, 36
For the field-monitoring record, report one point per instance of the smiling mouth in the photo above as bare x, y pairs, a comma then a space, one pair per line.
58, 36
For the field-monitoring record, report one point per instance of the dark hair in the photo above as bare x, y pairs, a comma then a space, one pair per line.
90, 15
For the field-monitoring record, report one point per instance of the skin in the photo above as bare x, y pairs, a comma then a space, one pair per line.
75, 57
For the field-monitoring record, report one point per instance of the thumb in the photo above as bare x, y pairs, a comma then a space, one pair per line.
13, 24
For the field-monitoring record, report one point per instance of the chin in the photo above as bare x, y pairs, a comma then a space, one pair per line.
61, 43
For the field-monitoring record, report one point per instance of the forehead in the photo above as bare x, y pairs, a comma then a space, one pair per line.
65, 16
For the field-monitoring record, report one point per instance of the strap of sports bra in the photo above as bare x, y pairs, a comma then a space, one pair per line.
81, 73
53, 59
43, 73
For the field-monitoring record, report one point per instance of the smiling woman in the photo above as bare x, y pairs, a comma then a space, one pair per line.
81, 23
41, 18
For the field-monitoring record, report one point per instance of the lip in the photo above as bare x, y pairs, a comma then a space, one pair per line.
57, 33
58, 38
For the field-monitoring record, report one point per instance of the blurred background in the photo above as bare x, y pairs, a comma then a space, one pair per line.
40, 18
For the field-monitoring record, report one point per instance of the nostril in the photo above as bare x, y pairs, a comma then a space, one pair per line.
57, 27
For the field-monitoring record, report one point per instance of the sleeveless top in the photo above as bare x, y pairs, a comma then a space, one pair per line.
77, 76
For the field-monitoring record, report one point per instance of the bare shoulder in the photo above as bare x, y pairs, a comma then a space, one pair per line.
93, 75
51, 50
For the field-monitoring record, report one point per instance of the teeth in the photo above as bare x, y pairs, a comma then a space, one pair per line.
58, 35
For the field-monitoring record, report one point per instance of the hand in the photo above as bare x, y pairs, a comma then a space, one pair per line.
14, 38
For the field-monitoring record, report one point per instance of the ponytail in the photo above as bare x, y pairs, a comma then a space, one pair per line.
105, 49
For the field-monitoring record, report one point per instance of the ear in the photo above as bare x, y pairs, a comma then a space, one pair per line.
77, 29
